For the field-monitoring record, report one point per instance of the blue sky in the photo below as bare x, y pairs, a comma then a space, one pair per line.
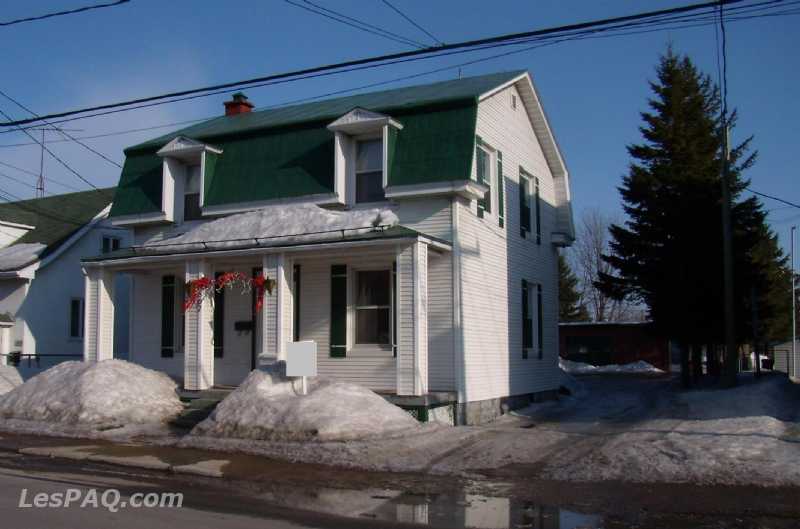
593, 90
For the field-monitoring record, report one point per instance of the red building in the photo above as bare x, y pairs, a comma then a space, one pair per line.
602, 343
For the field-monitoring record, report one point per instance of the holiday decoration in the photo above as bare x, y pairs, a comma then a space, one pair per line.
196, 289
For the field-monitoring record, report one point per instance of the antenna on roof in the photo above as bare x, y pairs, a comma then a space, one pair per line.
40, 179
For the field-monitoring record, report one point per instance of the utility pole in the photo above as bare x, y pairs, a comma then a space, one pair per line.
793, 368
731, 365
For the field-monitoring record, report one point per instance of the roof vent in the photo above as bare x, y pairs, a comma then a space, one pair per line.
238, 105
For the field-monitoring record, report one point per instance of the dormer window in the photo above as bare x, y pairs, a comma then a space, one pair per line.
187, 164
361, 145
369, 171
191, 194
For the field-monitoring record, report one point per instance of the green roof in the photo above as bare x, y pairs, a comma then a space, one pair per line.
288, 152
396, 99
55, 218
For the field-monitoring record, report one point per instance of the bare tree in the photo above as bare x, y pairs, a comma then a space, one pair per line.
586, 257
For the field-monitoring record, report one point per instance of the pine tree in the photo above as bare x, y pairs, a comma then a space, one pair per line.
570, 307
668, 255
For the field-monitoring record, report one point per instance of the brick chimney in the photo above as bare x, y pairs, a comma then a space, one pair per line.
237, 105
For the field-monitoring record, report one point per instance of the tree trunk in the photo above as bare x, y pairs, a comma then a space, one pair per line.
686, 377
697, 362
712, 360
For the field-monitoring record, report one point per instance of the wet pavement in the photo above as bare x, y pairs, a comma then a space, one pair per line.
257, 487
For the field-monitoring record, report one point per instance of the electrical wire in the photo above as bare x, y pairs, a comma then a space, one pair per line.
791, 204
428, 33
31, 173
355, 23
62, 13
376, 61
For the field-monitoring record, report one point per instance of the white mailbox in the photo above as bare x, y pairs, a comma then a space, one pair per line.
301, 359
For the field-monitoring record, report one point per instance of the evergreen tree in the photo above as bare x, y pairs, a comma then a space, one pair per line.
668, 255
570, 307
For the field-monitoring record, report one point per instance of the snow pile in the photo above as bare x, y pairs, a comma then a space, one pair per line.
286, 223
107, 394
18, 255
579, 368
270, 406
9, 379
570, 383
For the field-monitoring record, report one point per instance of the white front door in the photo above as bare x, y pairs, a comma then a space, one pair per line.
233, 362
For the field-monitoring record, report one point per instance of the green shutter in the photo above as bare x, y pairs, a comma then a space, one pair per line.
391, 150
539, 321
500, 191
219, 320
527, 339
167, 316
296, 302
479, 173
538, 214
524, 208
338, 336
394, 309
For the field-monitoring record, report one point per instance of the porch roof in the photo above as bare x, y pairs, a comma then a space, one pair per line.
316, 240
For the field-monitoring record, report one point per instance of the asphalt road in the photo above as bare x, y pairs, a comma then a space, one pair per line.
203, 507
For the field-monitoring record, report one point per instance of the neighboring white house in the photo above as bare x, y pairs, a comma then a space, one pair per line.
453, 304
42, 242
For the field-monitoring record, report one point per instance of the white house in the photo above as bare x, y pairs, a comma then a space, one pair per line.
424, 266
42, 290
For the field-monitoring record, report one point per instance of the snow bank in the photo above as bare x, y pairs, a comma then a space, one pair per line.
579, 368
269, 406
9, 379
106, 394
18, 255
288, 222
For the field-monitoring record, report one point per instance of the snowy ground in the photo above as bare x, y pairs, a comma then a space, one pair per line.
579, 368
633, 428
82, 399
9, 379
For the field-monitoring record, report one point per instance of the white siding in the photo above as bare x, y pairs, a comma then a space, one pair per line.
146, 325
372, 367
495, 260
441, 365
431, 216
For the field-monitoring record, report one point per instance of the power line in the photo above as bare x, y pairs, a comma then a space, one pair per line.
372, 61
62, 13
62, 131
355, 23
31, 173
51, 153
428, 33
620, 30
792, 204
17, 180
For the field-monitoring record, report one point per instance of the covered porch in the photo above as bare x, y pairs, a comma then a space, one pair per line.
361, 296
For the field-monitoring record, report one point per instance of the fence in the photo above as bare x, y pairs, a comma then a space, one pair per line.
31, 364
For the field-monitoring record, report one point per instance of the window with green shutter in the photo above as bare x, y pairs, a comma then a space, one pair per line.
538, 214
338, 327
484, 172
527, 319
168, 316
524, 203
501, 213
539, 322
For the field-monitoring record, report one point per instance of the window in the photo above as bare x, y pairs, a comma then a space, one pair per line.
524, 204
369, 171
191, 194
219, 320
527, 318
76, 318
538, 214
110, 244
483, 166
169, 299
373, 301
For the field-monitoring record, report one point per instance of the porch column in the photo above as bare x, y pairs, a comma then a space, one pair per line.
98, 325
412, 319
198, 357
272, 268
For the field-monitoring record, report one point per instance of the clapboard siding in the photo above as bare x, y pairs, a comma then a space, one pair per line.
494, 261
441, 363
146, 325
431, 216
368, 366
